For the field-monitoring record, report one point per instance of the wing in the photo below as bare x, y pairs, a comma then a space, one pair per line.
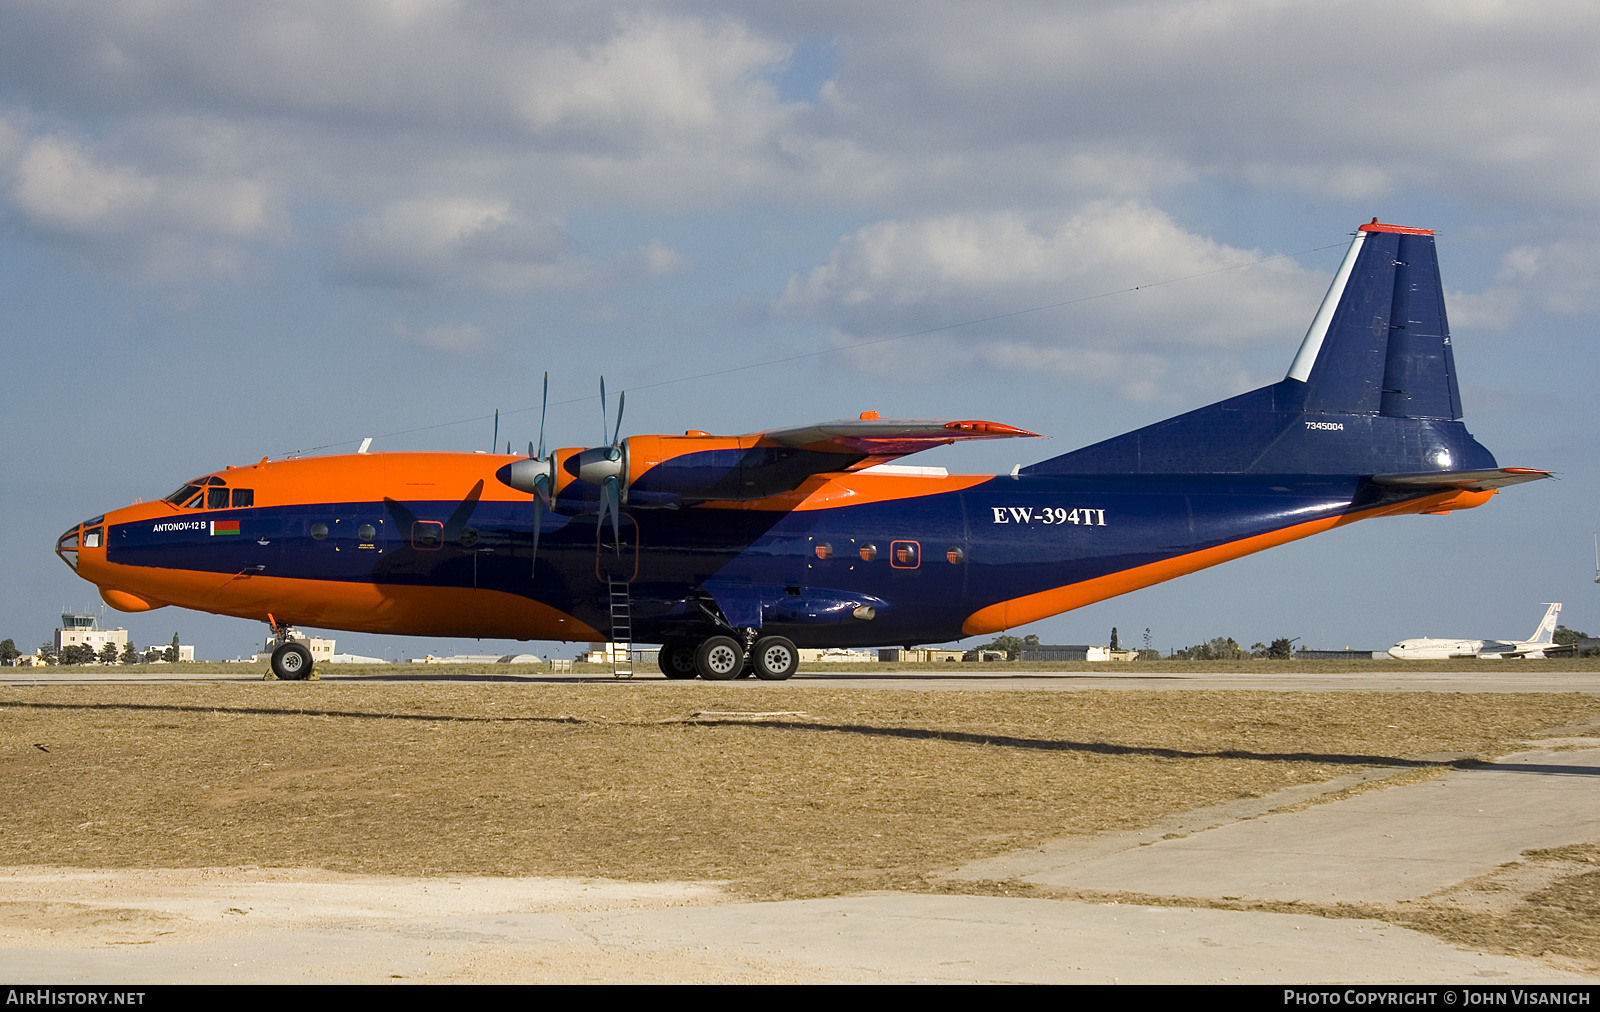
877, 440
699, 467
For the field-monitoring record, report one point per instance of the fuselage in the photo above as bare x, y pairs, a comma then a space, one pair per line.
433, 544
1434, 649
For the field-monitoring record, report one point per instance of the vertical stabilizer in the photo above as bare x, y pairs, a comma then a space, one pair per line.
1372, 389
1380, 342
1546, 633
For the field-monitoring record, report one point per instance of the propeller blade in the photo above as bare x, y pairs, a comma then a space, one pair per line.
610, 502
602, 409
622, 400
538, 522
463, 513
496, 440
544, 404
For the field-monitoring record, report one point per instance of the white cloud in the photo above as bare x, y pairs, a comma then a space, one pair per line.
174, 224
58, 187
459, 243
215, 125
897, 277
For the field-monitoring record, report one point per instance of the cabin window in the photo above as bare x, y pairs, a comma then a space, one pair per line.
366, 532
217, 498
427, 535
955, 555
469, 537
905, 554
868, 553
244, 497
823, 550
319, 531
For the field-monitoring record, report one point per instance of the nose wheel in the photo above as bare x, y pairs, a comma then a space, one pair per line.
291, 662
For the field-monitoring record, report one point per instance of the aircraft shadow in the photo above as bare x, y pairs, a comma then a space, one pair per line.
911, 733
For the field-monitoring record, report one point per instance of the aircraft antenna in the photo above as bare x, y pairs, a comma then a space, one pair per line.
1597, 558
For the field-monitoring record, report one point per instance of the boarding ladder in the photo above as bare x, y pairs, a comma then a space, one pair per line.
621, 629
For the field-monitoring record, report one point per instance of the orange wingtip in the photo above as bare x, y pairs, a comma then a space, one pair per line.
1376, 226
989, 428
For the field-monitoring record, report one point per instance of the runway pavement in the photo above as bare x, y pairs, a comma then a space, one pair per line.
1517, 676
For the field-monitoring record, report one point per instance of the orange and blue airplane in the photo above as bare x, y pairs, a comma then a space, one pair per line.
734, 551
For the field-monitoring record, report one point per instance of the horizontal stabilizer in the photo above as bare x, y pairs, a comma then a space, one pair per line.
1466, 481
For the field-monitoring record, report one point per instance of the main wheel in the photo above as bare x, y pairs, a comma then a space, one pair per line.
291, 662
718, 659
776, 658
677, 660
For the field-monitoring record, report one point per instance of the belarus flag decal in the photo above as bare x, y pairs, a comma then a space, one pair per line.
224, 527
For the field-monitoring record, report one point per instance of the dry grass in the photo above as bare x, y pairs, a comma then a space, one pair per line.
861, 790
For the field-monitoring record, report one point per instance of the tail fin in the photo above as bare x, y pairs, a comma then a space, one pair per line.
1546, 633
1372, 389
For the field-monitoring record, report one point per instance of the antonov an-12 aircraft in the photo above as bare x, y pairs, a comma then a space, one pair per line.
1427, 649
732, 551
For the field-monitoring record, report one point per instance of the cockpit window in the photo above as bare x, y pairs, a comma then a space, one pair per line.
210, 493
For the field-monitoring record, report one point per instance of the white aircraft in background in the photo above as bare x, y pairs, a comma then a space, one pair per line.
1442, 650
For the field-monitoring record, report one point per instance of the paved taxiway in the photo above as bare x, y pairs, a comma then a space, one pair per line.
1397, 843
1522, 676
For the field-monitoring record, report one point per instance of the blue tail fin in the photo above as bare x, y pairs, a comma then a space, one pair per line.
1372, 390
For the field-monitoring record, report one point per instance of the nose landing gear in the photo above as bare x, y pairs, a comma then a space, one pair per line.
291, 660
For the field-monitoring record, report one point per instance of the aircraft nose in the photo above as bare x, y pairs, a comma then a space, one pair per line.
89, 534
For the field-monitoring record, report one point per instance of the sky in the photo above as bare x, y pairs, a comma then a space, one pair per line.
233, 231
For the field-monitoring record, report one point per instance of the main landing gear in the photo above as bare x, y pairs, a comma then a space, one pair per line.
722, 658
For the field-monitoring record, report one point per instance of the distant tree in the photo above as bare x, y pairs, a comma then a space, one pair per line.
171, 653
1114, 644
1221, 648
108, 653
9, 653
131, 654
48, 655
77, 653
1564, 636
1011, 645
1282, 648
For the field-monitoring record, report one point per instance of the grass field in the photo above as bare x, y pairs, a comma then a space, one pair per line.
779, 790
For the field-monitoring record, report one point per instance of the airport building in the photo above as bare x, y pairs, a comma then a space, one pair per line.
1069, 652
80, 628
